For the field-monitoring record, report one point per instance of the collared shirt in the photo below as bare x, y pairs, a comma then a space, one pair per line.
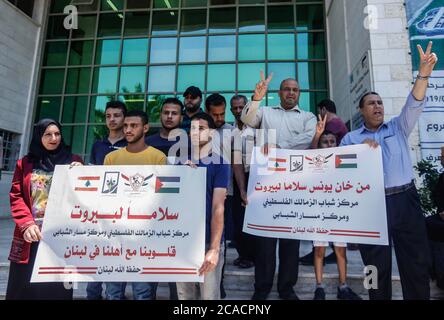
102, 147
295, 128
392, 136
243, 143
186, 121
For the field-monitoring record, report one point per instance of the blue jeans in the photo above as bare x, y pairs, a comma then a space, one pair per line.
141, 290
94, 291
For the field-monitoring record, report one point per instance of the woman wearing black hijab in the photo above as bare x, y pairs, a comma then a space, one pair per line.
28, 196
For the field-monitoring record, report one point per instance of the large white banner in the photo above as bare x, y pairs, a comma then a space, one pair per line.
334, 194
123, 223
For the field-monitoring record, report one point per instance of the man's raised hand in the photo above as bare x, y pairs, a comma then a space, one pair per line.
262, 87
427, 60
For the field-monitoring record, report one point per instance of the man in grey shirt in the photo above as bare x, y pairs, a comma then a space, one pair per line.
295, 129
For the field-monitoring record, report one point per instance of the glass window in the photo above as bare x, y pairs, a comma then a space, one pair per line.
251, 47
192, 49
110, 24
135, 51
48, 107
75, 109
108, 5
280, 18
133, 101
222, 20
52, 81
161, 79
281, 71
138, 4
251, 19
221, 77
56, 29
81, 52
78, 80
309, 100
163, 50
166, 3
94, 133
86, 26
97, 108
251, 1
164, 22
281, 46
273, 99
55, 54
311, 45
248, 75
137, 23
222, 48
312, 75
58, 6
222, 2
73, 136
105, 80
108, 51
309, 17
190, 75
193, 3
193, 21
132, 79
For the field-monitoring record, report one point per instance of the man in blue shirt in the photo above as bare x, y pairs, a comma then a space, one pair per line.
202, 129
406, 223
115, 112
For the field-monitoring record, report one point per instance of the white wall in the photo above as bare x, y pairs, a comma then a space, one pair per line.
20, 38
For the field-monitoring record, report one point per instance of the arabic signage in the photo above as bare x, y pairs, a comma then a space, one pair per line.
123, 223
323, 194
426, 22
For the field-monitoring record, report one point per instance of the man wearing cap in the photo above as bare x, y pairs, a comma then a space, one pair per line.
192, 101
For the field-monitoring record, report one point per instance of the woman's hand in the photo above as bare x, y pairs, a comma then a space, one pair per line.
32, 234
75, 164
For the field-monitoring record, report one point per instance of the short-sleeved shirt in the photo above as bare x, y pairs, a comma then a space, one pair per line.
218, 176
338, 128
149, 156
186, 121
160, 143
102, 147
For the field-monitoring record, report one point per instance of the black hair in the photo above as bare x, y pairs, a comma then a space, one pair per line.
115, 104
214, 100
138, 113
361, 101
238, 97
326, 133
206, 117
327, 104
173, 101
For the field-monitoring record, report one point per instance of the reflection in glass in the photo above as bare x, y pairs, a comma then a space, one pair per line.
161, 79
86, 27
163, 50
138, 4
193, 3
281, 46
55, 28
221, 77
166, 3
110, 24
73, 136
133, 101
311, 45
132, 79
81, 52
74, 109
52, 81
78, 80
222, 48
312, 75
193, 21
137, 23
280, 18
222, 20
190, 75
108, 51
248, 75
192, 49
97, 108
48, 107
164, 22
108, 5
105, 80
309, 17
281, 71
251, 19
135, 51
55, 53
251, 47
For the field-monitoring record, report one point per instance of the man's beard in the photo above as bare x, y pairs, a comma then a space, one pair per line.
193, 108
137, 138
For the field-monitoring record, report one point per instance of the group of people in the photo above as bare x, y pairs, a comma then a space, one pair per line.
195, 137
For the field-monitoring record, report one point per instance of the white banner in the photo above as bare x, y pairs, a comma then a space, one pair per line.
334, 194
123, 223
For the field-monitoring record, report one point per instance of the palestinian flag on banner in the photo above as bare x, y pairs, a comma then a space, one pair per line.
85, 183
167, 185
346, 161
277, 164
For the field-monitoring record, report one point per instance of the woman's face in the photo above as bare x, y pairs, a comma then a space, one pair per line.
51, 137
